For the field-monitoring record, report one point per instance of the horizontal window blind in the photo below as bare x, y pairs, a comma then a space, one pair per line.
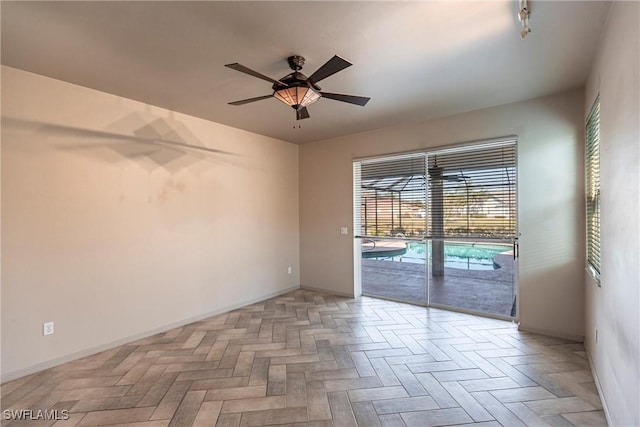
472, 191
592, 169
464, 192
390, 197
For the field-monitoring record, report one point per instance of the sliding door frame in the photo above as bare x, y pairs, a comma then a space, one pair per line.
426, 240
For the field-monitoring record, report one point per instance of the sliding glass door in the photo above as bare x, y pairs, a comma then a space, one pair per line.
439, 228
472, 194
391, 216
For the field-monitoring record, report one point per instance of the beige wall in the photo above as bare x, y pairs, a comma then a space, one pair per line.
551, 217
613, 308
113, 238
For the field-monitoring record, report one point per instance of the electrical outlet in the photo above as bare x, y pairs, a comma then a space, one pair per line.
289, 270
47, 328
344, 230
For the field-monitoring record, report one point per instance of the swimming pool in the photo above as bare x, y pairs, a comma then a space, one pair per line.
463, 256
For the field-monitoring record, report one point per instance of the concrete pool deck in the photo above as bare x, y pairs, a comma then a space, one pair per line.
487, 291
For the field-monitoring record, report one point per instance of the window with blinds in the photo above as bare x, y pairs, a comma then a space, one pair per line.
592, 175
464, 192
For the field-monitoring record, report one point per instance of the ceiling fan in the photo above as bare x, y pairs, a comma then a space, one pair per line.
298, 90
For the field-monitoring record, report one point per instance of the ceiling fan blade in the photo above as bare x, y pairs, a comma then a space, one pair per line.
302, 113
351, 99
243, 69
331, 67
246, 101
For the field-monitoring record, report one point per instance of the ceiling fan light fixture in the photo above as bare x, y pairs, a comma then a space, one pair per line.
297, 90
297, 96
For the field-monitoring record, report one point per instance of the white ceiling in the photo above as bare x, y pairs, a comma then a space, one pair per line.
416, 60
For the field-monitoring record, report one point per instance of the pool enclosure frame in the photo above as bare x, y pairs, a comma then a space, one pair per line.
361, 231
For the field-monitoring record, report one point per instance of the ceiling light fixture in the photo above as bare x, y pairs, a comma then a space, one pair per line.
298, 93
523, 17
298, 96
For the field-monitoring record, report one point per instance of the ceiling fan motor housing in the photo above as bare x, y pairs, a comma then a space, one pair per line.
295, 79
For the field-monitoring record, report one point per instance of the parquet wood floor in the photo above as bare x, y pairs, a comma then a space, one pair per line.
312, 359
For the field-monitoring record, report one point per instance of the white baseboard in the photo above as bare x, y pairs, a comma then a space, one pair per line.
554, 334
14, 375
327, 291
596, 379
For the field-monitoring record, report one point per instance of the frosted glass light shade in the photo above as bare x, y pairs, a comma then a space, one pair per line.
297, 95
